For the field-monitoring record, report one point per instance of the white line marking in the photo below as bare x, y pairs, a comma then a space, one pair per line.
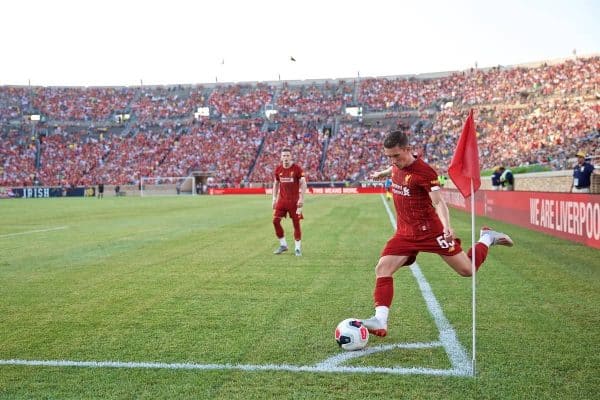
343, 357
241, 367
456, 352
36, 231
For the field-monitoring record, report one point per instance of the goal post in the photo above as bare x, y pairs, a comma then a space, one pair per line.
167, 185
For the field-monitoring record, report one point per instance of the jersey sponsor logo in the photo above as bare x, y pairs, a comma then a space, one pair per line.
286, 179
400, 190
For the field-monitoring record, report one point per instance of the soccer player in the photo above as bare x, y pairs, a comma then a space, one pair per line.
289, 188
422, 224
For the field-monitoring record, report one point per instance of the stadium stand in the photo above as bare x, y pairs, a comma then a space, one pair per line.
532, 114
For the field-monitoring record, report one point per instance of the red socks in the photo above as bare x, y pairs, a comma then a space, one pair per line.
297, 230
481, 251
278, 228
384, 291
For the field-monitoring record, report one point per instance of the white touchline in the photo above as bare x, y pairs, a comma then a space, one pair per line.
461, 365
456, 352
36, 231
242, 367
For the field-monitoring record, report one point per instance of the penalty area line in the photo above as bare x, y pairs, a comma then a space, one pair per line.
58, 228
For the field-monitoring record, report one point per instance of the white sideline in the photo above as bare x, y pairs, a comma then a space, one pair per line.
461, 365
241, 367
36, 231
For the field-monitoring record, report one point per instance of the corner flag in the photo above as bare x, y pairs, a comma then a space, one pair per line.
465, 163
464, 172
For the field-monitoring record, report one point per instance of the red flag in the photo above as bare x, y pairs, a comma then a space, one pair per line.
465, 163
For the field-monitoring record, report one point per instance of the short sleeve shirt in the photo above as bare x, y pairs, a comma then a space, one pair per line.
289, 182
415, 214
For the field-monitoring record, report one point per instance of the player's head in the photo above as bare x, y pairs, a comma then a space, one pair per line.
397, 149
286, 157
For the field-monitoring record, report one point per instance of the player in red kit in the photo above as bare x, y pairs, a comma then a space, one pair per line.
289, 187
422, 224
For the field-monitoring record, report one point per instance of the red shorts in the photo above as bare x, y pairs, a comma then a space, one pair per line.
403, 246
283, 208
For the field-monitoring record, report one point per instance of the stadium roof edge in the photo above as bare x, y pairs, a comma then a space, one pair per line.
425, 75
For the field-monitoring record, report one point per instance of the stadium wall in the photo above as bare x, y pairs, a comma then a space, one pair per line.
552, 181
570, 216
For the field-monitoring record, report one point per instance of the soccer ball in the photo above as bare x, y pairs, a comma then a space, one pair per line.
351, 334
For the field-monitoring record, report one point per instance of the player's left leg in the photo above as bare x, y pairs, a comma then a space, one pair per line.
384, 291
297, 234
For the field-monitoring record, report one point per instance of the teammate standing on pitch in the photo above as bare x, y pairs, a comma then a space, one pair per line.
289, 188
422, 224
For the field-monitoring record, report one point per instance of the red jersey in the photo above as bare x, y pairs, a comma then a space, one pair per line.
289, 182
415, 214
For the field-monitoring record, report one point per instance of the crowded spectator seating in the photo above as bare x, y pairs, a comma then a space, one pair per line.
302, 136
531, 114
17, 157
237, 101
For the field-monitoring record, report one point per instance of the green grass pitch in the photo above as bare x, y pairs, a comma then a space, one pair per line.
192, 280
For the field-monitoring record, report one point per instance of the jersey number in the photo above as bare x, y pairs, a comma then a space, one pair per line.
444, 244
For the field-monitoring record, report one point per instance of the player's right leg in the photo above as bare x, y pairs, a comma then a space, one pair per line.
277, 215
462, 263
497, 238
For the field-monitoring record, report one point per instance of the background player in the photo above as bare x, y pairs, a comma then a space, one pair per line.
289, 188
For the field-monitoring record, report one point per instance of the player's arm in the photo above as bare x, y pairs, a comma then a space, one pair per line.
441, 210
275, 192
379, 174
303, 187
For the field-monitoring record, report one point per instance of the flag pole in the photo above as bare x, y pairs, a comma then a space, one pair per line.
466, 175
473, 273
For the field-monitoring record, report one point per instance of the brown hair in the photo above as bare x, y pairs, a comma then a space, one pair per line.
395, 138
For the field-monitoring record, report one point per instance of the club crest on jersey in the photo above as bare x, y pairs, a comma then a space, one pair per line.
407, 178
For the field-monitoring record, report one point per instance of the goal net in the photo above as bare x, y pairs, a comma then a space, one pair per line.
167, 185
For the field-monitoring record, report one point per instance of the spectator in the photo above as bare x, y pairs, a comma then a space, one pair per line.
582, 174
496, 184
507, 179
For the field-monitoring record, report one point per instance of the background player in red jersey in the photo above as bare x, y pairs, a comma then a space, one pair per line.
288, 198
422, 224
